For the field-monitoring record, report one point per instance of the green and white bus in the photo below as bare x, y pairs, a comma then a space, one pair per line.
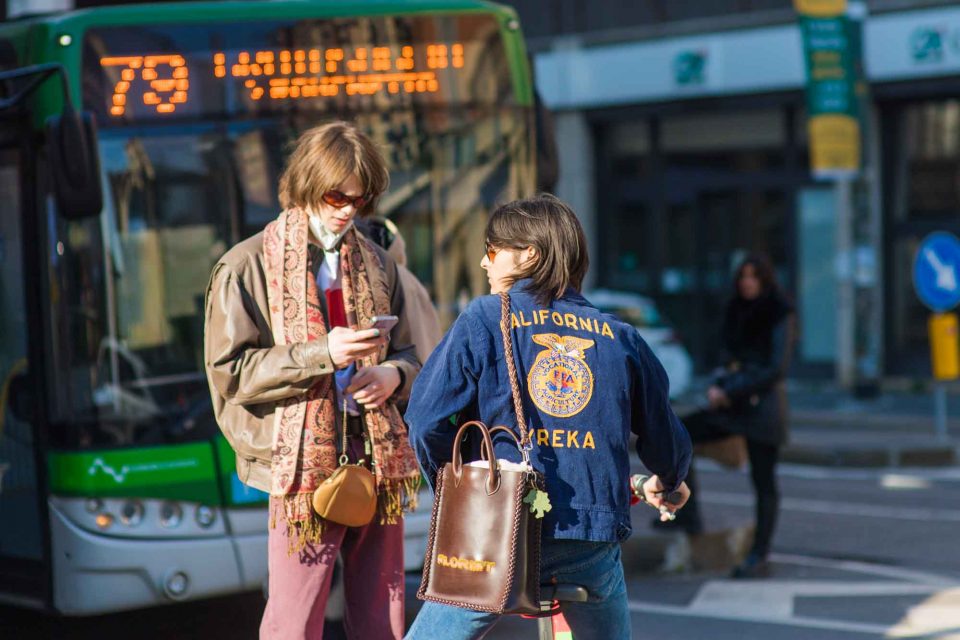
116, 489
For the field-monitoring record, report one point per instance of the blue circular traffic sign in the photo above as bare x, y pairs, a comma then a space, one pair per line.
936, 271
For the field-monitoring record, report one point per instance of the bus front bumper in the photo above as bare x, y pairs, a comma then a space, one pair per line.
95, 573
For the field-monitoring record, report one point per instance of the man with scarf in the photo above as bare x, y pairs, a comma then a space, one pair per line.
292, 362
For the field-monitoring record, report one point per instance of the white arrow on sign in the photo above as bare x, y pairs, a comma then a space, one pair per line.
946, 276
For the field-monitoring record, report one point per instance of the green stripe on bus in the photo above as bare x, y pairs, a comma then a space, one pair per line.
181, 472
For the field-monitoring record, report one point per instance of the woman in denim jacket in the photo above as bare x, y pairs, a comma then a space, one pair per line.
588, 382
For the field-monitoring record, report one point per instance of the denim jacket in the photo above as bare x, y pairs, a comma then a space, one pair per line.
588, 381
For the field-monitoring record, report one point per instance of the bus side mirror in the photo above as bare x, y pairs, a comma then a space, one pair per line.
75, 164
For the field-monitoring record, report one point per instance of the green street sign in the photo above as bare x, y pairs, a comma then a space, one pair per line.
832, 44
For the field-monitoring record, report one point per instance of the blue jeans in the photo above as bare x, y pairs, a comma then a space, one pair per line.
594, 565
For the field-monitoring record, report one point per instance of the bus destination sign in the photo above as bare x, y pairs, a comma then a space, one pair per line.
162, 82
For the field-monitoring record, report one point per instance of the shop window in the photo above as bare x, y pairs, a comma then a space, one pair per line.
625, 258
923, 187
931, 137
683, 212
745, 141
680, 259
908, 322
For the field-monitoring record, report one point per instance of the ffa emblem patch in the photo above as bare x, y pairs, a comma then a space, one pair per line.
560, 382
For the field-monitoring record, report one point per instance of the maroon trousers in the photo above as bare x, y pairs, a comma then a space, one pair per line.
299, 584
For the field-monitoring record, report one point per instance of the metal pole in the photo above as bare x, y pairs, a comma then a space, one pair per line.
846, 309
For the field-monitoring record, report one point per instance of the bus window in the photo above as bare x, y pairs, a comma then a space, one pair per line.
138, 276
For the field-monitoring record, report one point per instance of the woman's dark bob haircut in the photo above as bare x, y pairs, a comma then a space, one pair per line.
550, 226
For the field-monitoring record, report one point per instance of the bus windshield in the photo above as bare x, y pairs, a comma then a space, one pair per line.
127, 289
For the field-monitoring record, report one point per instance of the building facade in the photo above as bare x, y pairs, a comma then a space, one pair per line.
683, 143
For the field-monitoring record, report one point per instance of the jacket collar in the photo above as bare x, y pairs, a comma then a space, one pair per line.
524, 286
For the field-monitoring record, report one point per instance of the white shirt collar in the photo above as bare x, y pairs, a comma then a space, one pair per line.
327, 239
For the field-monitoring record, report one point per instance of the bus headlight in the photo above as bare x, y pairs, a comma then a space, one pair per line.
171, 515
131, 513
205, 516
94, 505
103, 520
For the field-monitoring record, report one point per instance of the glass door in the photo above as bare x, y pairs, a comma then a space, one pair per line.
21, 531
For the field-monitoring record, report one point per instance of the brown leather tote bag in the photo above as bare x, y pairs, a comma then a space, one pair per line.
483, 548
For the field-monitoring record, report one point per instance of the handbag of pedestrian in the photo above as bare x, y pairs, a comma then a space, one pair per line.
349, 495
483, 547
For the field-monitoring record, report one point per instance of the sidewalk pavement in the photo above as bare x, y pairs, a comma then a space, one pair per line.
829, 427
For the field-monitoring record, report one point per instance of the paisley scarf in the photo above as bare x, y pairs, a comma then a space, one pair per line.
305, 428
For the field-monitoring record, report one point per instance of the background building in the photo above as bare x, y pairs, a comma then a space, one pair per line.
682, 139
681, 131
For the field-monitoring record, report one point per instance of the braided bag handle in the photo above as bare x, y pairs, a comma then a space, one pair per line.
512, 369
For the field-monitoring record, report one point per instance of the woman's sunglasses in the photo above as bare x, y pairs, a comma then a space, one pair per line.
339, 200
491, 251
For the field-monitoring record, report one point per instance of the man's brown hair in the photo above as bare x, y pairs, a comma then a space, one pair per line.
550, 226
324, 157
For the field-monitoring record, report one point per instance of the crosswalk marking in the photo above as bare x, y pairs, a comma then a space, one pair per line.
856, 566
772, 601
834, 508
793, 621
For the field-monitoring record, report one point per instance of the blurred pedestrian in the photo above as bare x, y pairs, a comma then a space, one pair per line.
421, 314
748, 397
286, 310
591, 381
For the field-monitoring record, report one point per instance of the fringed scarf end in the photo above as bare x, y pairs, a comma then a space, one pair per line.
304, 526
398, 497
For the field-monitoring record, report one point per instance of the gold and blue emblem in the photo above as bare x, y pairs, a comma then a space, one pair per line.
560, 382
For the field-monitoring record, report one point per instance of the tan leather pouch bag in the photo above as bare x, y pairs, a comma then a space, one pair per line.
347, 497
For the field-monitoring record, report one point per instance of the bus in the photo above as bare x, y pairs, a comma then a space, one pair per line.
116, 489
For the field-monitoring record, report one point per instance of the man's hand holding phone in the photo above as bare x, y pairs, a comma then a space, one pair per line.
347, 346
384, 323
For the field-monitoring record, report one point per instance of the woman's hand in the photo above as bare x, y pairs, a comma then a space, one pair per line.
346, 345
653, 491
717, 398
372, 386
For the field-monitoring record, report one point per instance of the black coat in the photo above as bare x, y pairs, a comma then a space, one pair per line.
757, 342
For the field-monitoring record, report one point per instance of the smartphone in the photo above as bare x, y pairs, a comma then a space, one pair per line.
384, 323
